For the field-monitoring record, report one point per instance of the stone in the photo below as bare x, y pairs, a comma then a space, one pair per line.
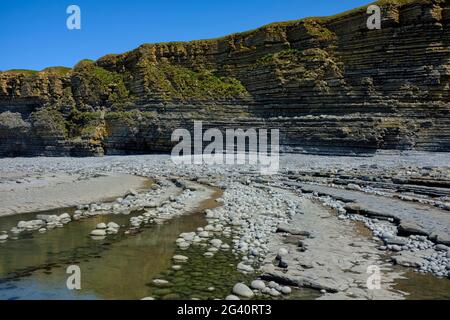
282, 252
396, 241
232, 297
258, 285
204, 234
64, 216
242, 290
286, 290
113, 225
407, 228
441, 247
387, 236
3, 237
274, 292
101, 226
216, 243
160, 282
180, 258
292, 231
112, 231
98, 233
245, 268
283, 264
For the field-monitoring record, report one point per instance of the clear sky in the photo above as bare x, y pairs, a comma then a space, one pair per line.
33, 33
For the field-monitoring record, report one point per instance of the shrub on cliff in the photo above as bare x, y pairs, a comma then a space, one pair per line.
96, 86
49, 122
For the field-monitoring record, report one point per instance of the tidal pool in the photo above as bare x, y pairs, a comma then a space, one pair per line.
34, 265
424, 286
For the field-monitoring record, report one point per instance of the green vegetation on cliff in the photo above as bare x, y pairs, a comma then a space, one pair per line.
176, 82
98, 86
50, 121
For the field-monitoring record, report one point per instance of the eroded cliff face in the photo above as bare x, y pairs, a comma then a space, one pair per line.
329, 84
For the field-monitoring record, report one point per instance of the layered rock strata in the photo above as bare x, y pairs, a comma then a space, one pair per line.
328, 84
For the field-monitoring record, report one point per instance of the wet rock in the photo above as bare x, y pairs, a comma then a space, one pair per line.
101, 226
407, 228
282, 252
274, 292
242, 290
286, 290
245, 268
292, 231
216, 243
441, 247
65, 218
180, 258
258, 285
396, 241
113, 225
111, 231
160, 282
98, 233
204, 234
3, 237
232, 297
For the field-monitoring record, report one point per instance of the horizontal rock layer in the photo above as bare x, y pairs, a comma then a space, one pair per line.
328, 84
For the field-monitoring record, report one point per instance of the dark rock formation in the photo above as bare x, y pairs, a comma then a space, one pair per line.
329, 84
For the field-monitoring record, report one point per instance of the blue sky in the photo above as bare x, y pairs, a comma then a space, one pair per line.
33, 33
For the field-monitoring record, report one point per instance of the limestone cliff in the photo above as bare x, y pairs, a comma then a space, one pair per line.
329, 84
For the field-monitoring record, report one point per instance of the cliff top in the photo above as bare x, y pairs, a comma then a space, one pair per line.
314, 24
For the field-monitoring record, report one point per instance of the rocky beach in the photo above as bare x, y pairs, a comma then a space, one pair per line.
312, 231
354, 204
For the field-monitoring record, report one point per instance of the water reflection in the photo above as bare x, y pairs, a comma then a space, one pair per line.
118, 267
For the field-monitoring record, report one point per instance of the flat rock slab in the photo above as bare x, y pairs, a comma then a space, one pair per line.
336, 259
414, 218
63, 190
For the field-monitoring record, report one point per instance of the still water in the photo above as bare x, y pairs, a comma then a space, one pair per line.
119, 267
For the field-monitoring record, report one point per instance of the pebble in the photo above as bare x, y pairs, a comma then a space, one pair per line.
232, 297
274, 292
245, 268
286, 290
101, 226
98, 233
441, 247
160, 282
242, 290
258, 285
180, 258
113, 225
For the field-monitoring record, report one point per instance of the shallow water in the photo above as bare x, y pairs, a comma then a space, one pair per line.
119, 267
424, 286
